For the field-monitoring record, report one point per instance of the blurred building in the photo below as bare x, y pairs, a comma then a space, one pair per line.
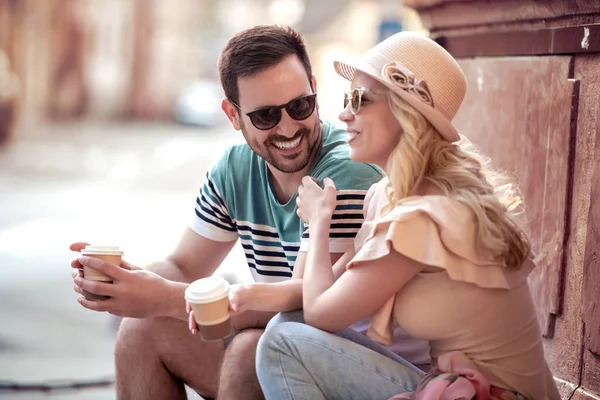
103, 58
131, 59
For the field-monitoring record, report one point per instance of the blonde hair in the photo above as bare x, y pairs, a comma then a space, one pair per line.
461, 173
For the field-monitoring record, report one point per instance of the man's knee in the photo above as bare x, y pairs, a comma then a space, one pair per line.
147, 335
134, 334
238, 365
240, 356
244, 342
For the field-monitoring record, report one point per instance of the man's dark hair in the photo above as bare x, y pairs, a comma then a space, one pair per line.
256, 49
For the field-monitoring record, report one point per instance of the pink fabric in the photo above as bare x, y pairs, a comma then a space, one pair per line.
455, 378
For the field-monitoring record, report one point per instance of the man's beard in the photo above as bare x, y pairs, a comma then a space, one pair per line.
295, 162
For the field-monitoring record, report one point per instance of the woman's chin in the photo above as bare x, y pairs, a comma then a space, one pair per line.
357, 155
362, 158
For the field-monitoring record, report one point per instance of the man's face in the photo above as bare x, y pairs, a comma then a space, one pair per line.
289, 145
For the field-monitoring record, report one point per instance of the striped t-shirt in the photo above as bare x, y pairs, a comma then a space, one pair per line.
237, 202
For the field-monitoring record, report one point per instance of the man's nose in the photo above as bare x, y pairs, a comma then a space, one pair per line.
287, 126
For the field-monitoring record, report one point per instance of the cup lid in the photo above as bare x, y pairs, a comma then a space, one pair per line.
207, 289
105, 250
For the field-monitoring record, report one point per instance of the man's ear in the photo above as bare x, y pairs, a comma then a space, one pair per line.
314, 83
231, 112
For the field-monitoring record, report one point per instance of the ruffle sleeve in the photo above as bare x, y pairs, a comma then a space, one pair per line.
440, 232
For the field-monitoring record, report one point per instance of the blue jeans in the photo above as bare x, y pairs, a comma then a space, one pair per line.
297, 361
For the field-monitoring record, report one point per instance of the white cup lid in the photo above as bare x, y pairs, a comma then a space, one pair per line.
104, 250
207, 290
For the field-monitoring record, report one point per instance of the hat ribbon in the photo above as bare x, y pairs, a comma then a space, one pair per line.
400, 76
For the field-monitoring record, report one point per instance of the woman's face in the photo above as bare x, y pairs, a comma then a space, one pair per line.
373, 130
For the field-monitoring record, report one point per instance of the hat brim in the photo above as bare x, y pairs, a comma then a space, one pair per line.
437, 119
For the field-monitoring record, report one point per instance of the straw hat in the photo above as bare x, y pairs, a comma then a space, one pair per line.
420, 71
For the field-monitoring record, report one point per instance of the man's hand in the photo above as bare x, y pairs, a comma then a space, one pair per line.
135, 292
78, 268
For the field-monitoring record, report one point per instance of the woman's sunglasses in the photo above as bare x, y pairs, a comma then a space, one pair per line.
355, 98
268, 117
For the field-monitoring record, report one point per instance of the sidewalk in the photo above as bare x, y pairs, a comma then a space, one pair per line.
133, 185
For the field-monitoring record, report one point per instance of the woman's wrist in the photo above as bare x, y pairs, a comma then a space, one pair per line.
271, 297
256, 296
319, 222
248, 294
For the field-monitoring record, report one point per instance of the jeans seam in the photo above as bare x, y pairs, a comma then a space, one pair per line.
299, 338
287, 385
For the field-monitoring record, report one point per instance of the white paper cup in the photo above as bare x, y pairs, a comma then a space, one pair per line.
209, 299
110, 254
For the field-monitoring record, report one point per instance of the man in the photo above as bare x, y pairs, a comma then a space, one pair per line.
248, 195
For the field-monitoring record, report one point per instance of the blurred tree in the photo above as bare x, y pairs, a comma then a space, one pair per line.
139, 102
11, 18
8, 98
67, 97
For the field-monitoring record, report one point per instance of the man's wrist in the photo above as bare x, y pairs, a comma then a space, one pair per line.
174, 304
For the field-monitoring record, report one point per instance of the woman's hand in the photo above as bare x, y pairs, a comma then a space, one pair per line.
240, 297
239, 300
192, 325
314, 203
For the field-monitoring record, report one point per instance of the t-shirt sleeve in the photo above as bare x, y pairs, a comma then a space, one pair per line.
212, 218
352, 181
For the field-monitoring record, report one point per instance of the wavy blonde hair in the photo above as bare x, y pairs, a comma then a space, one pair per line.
461, 173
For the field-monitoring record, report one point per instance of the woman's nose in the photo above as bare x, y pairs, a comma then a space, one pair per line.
346, 114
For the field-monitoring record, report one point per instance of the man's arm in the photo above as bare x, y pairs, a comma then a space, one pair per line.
194, 257
156, 291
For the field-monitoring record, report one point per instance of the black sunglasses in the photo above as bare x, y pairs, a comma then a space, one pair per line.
268, 117
355, 98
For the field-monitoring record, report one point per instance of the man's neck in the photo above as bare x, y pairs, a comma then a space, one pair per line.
285, 184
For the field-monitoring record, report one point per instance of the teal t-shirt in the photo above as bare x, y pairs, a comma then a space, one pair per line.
237, 202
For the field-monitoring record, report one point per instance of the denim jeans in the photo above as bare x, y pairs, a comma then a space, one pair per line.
297, 361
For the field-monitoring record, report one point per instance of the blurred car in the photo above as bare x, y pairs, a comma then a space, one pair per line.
199, 104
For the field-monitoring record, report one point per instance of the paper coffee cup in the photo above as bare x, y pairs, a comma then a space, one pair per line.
209, 299
110, 254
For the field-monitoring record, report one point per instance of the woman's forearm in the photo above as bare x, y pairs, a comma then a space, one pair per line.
318, 274
275, 297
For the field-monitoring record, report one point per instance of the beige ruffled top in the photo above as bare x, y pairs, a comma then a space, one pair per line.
468, 302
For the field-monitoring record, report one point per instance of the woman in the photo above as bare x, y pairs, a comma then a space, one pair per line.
439, 253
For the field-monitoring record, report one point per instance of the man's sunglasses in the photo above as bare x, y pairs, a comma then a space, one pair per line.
355, 98
268, 117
